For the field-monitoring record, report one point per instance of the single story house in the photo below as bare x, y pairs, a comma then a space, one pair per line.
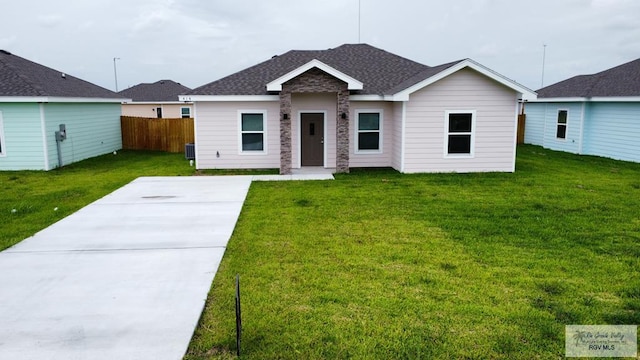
358, 106
49, 118
156, 100
595, 114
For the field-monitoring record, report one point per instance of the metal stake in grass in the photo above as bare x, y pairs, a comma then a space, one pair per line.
238, 315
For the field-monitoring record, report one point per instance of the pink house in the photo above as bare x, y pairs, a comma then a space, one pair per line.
358, 106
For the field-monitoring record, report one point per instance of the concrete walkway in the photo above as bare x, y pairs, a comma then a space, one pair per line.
125, 277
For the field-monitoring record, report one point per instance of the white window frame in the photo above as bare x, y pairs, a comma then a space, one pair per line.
380, 132
263, 132
3, 144
566, 125
182, 115
471, 153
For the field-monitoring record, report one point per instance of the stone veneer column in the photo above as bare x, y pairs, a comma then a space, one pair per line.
285, 131
342, 132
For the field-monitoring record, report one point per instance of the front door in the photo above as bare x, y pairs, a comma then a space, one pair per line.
312, 139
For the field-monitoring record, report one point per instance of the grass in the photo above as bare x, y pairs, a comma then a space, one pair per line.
382, 265
28, 198
434, 266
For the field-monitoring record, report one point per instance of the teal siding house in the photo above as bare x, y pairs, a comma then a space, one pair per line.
49, 119
595, 114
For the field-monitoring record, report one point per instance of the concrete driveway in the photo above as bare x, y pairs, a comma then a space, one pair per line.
123, 278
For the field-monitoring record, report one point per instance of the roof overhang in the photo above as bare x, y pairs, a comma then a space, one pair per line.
55, 99
525, 93
588, 99
352, 83
194, 98
130, 102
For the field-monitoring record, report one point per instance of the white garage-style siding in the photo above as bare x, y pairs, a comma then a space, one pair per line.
217, 133
494, 125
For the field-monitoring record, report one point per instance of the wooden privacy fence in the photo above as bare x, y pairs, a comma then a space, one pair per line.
156, 133
522, 118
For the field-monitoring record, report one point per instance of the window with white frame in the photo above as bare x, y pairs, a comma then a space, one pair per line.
253, 132
368, 131
460, 127
185, 112
561, 126
3, 151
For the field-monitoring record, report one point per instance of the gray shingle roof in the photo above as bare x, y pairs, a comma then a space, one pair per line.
162, 90
381, 72
21, 77
622, 80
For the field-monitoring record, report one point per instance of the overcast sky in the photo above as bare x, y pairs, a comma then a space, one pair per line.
195, 42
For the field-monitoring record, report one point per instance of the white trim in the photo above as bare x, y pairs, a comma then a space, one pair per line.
515, 136
263, 132
156, 102
566, 125
404, 138
366, 98
324, 135
185, 107
57, 99
45, 143
3, 144
586, 99
524, 92
194, 98
356, 131
352, 83
471, 153
195, 134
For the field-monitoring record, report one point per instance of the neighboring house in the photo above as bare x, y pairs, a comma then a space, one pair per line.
358, 106
49, 118
595, 114
157, 100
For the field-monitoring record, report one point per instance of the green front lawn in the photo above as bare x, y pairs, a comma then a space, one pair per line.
388, 266
382, 265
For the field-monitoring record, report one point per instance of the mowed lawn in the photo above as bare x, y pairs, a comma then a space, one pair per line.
379, 265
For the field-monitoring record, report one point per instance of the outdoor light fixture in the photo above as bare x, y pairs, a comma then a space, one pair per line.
285, 116
343, 116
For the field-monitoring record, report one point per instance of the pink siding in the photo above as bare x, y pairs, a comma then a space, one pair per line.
149, 110
494, 125
388, 130
217, 130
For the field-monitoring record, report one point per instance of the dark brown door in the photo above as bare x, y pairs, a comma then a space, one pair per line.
312, 140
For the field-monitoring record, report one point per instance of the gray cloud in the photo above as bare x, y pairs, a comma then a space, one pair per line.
197, 41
